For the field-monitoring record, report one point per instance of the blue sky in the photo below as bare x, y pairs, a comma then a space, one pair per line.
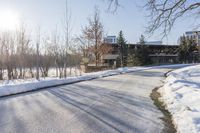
130, 18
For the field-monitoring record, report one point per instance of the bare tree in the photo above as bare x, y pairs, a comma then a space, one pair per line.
83, 47
55, 41
8, 52
23, 42
46, 58
57, 52
94, 33
1, 68
1, 58
67, 31
31, 61
61, 61
37, 53
74, 57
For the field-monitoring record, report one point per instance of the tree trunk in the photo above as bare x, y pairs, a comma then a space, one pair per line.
31, 72
65, 71
56, 71
1, 74
9, 73
20, 72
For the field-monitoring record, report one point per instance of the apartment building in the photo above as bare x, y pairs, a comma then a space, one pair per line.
159, 53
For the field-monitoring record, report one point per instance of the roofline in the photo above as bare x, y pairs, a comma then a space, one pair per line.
191, 32
110, 36
154, 44
145, 44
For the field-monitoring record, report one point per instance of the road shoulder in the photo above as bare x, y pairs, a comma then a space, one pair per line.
167, 117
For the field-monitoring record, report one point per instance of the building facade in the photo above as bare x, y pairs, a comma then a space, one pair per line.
195, 35
110, 39
159, 53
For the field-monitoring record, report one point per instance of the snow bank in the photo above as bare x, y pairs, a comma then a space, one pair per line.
19, 87
181, 94
15, 87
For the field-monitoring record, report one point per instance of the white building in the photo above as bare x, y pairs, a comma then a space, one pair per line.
194, 35
110, 39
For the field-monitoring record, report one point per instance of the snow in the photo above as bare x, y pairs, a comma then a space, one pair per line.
15, 87
51, 73
181, 95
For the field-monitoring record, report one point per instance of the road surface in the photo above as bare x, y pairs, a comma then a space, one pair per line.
112, 104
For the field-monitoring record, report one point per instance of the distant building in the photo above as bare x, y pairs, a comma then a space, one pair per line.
195, 35
160, 53
110, 39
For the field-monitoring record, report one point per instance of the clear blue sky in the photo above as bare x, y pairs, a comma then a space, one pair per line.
130, 17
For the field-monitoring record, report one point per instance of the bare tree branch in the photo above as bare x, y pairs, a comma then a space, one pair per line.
113, 5
164, 13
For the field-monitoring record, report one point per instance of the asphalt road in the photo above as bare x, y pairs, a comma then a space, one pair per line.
112, 104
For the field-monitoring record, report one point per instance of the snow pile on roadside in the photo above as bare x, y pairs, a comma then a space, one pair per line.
15, 87
181, 94
10, 87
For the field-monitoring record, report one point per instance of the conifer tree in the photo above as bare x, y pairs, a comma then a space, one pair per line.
122, 49
140, 56
187, 48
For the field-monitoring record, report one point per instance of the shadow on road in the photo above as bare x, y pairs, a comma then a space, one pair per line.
118, 110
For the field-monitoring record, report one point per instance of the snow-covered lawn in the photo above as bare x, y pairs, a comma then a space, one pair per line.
181, 94
20, 86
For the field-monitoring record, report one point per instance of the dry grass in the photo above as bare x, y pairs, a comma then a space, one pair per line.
167, 118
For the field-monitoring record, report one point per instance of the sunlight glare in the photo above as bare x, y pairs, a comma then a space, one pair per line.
9, 20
